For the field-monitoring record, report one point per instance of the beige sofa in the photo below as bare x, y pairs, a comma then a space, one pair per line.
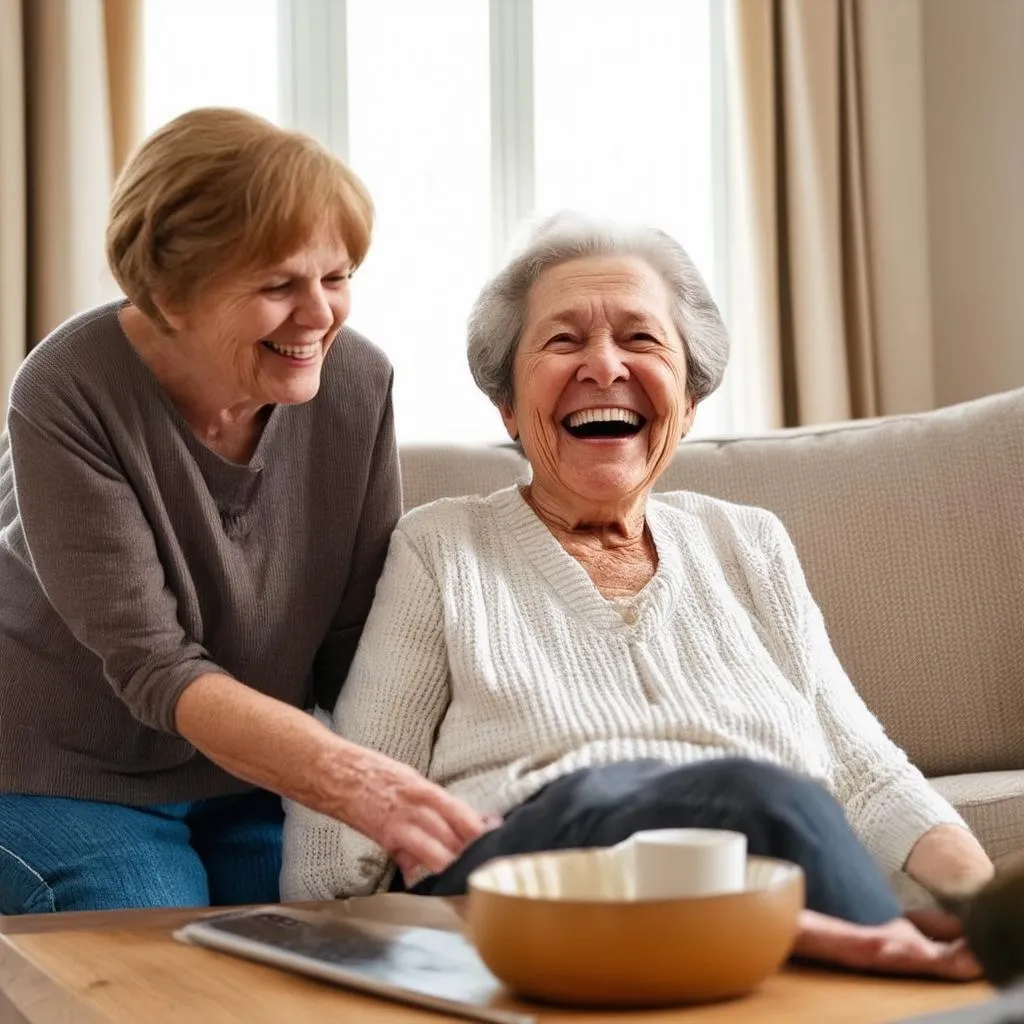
911, 534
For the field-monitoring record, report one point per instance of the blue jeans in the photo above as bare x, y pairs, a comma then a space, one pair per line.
63, 854
783, 815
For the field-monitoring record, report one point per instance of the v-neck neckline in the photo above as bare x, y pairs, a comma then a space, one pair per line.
649, 608
203, 453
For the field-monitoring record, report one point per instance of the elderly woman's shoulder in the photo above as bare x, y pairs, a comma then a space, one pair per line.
689, 507
466, 509
467, 519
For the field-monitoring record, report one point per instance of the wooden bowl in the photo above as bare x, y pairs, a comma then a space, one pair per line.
558, 927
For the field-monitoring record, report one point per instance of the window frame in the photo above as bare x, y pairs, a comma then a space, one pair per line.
314, 98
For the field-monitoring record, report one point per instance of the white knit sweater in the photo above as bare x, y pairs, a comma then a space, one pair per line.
491, 663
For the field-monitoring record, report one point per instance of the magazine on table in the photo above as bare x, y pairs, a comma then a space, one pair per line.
368, 946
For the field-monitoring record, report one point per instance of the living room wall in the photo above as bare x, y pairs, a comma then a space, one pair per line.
974, 97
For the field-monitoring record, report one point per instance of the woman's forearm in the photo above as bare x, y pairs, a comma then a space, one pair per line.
268, 743
948, 860
273, 745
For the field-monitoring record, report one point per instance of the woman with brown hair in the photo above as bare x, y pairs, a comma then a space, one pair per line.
197, 487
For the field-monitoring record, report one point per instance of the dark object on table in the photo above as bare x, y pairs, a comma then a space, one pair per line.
993, 925
993, 921
994, 929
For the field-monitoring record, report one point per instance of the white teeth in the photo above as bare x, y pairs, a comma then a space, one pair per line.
296, 351
577, 419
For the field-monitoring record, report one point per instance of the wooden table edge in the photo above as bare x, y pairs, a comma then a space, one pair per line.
28, 989
39, 997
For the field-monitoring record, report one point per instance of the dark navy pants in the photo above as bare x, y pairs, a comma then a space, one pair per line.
782, 814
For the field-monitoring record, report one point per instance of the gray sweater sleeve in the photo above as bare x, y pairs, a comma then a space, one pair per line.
96, 559
382, 506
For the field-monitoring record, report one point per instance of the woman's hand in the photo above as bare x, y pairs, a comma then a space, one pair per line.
894, 948
281, 748
421, 827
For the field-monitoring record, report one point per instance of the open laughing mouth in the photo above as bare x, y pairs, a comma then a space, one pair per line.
604, 423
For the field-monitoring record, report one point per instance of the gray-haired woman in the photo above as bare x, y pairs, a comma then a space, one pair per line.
586, 659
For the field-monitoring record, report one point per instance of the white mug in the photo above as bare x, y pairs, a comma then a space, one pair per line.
669, 862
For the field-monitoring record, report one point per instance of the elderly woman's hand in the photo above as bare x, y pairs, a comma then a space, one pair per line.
897, 947
420, 826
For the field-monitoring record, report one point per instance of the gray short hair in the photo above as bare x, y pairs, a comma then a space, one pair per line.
498, 318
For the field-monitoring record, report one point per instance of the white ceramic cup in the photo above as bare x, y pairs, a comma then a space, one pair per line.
669, 862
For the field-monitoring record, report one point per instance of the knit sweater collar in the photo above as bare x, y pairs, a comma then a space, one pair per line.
653, 605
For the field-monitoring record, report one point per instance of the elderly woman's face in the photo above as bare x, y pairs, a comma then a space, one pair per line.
261, 336
600, 379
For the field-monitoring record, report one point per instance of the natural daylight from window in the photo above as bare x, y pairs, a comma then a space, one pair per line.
622, 125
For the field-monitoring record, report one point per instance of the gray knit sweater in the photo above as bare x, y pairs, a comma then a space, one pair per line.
134, 559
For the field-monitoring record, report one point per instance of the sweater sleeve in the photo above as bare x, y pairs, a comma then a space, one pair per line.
393, 701
887, 800
382, 505
96, 559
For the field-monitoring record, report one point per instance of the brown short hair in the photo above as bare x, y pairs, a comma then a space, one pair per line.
217, 191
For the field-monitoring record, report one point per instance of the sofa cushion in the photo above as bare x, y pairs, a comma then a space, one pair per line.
442, 471
992, 803
909, 529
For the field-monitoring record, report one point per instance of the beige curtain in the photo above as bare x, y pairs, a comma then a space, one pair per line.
828, 244
70, 110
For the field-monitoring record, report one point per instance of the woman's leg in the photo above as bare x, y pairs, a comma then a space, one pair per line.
61, 854
238, 839
782, 814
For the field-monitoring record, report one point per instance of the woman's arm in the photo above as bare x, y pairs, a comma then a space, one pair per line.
899, 816
103, 576
280, 748
273, 745
948, 861
392, 702
97, 561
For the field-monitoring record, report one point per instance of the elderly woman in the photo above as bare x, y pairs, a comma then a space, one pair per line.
585, 659
197, 486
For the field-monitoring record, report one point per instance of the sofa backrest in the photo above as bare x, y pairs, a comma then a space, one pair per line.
911, 533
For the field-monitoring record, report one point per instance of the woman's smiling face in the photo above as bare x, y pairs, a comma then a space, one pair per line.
599, 381
260, 337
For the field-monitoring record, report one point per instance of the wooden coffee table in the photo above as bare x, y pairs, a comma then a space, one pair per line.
124, 966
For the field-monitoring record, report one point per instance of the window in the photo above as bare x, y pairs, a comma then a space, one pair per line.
419, 136
623, 117
623, 124
464, 117
210, 53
